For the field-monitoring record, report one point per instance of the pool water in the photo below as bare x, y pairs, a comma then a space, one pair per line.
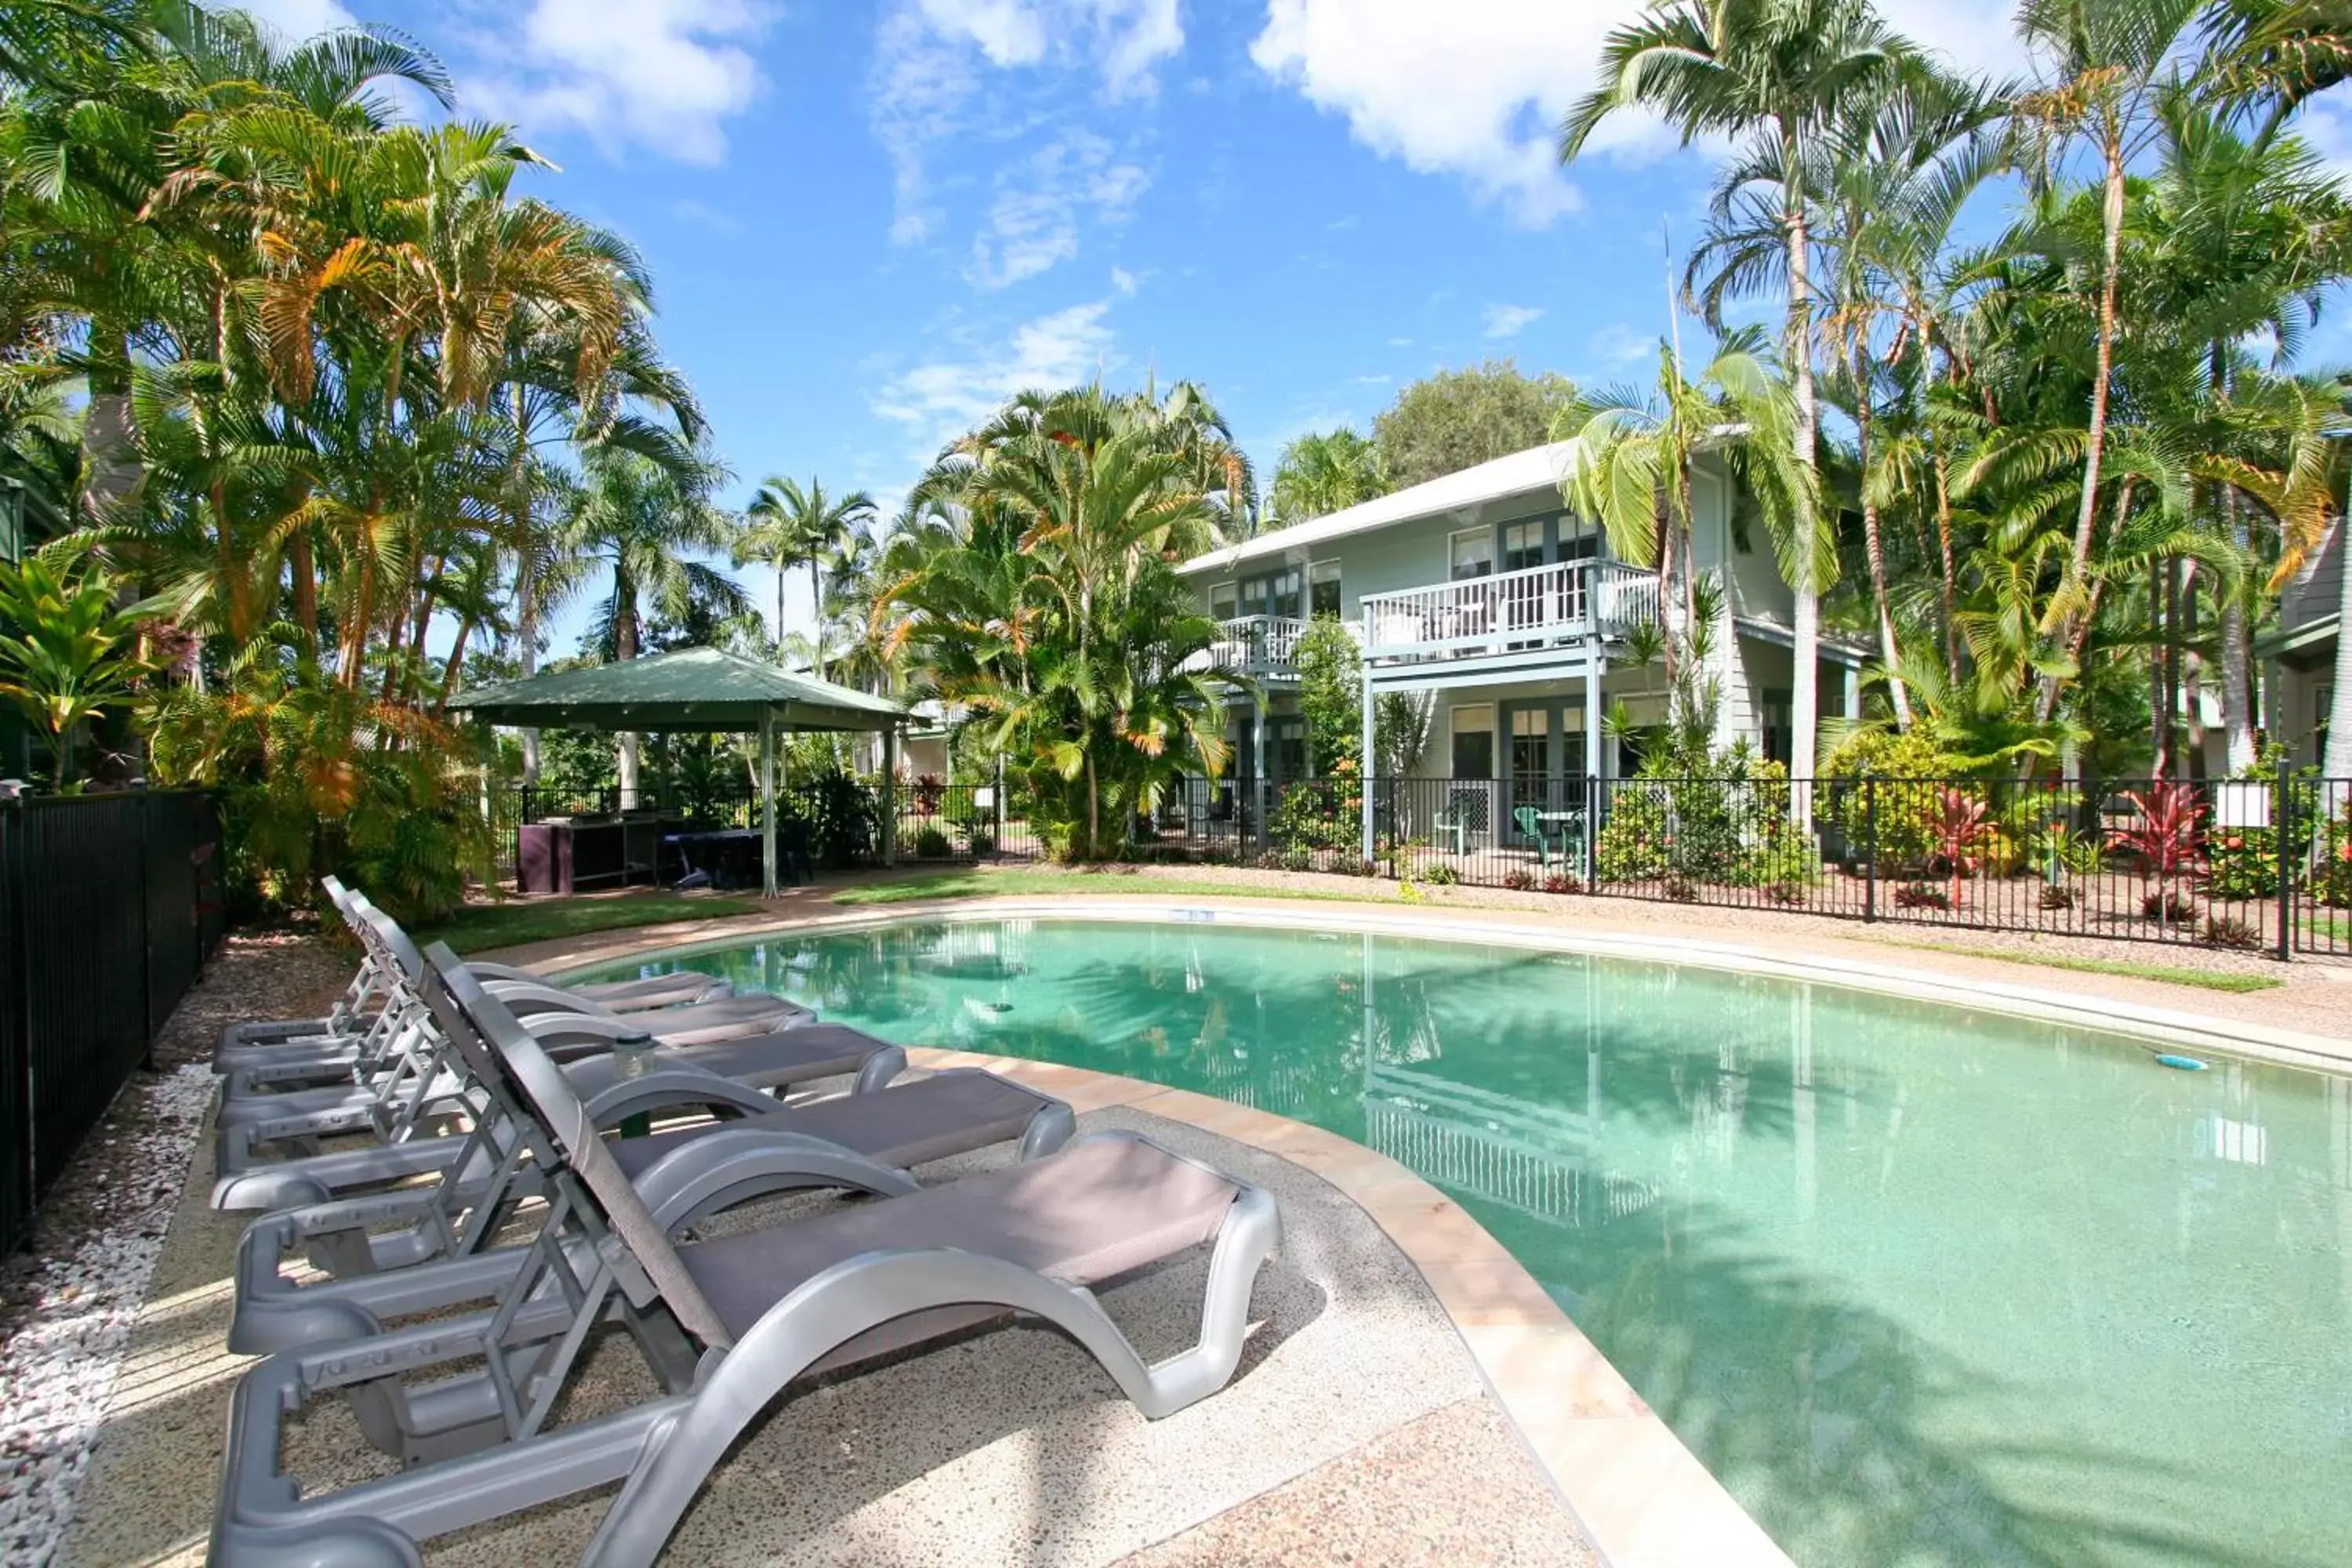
1920, 1285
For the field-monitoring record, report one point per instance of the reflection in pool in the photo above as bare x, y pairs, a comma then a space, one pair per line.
1921, 1286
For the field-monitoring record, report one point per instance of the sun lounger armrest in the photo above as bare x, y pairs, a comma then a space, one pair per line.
485, 971
671, 1089
557, 1031
524, 998
719, 1169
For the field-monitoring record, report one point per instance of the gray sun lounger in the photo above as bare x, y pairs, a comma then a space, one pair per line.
269, 1151
289, 1046
436, 1257
727, 1325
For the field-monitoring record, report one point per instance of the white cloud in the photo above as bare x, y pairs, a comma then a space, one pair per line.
931, 88
702, 214
1510, 320
1477, 89
1400, 343
940, 400
1033, 224
1618, 344
1124, 38
663, 75
299, 19
1126, 282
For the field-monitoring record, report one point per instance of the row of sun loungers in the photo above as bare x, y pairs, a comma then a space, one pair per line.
449, 1221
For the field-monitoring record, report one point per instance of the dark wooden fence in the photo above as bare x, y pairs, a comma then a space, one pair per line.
108, 906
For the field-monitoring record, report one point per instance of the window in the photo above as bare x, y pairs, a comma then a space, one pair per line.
1777, 730
1323, 589
1274, 594
1473, 741
1285, 756
1579, 540
1523, 545
1221, 602
1530, 743
1472, 555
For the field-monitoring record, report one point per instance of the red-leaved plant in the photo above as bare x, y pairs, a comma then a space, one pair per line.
1959, 825
2167, 833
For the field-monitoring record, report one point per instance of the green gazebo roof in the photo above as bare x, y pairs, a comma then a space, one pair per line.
693, 689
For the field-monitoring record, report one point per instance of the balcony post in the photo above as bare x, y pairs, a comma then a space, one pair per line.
1364, 768
1257, 771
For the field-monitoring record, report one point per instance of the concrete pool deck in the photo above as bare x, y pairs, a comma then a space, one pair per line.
1482, 1406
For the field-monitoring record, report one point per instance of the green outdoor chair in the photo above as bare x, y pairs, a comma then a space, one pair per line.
1464, 814
1530, 826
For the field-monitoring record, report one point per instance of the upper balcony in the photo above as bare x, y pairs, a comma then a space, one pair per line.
1514, 612
1263, 648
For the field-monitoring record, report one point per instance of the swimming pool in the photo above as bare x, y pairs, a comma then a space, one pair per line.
1920, 1285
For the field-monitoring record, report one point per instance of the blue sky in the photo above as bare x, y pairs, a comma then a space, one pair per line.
869, 220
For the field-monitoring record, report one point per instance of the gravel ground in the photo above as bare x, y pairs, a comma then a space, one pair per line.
68, 1303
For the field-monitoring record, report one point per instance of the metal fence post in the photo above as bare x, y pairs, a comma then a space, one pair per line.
147, 932
1592, 833
2283, 838
1870, 846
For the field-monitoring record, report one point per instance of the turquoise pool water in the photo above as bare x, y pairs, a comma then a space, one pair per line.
1922, 1286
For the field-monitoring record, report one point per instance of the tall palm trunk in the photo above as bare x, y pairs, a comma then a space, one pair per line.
2111, 241
816, 617
526, 572
1873, 546
1805, 633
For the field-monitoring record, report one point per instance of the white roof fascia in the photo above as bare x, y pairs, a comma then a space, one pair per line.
1539, 467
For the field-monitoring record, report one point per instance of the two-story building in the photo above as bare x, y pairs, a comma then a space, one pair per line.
1485, 589
2301, 653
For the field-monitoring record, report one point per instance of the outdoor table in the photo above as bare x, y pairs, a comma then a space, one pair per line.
1565, 820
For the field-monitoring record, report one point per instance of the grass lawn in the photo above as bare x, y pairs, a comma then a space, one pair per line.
977, 884
480, 927
2207, 979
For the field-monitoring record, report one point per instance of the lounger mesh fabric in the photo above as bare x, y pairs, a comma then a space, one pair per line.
1092, 1212
907, 1125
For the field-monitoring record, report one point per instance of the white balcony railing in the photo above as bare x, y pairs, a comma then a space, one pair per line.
1536, 607
1260, 647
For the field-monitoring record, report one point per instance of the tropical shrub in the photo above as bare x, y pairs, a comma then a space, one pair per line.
2241, 863
1520, 879
1901, 807
317, 779
1560, 882
2224, 931
2056, 896
1319, 814
1439, 874
2167, 833
930, 844
1921, 895
927, 791
842, 817
69, 651
1960, 823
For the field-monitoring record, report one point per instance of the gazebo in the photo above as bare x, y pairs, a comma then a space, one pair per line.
696, 688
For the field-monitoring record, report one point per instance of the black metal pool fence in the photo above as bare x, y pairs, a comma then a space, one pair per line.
2259, 865
108, 906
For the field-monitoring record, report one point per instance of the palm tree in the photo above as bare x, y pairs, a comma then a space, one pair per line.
2103, 62
1778, 72
1632, 461
1324, 472
786, 524
647, 524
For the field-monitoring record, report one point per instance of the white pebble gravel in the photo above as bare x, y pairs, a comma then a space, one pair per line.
58, 1369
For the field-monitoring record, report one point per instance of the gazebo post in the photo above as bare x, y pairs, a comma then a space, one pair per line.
768, 801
